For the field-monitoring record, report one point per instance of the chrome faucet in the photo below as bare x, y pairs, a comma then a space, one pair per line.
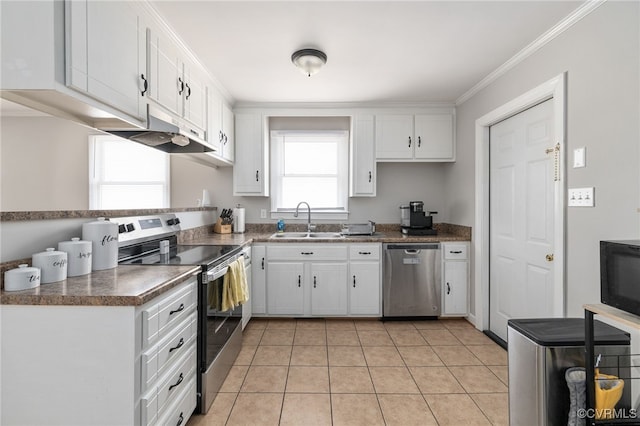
309, 226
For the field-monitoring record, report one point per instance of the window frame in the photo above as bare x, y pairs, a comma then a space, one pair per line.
95, 180
277, 165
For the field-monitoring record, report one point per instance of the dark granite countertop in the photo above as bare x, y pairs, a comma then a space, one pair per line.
126, 285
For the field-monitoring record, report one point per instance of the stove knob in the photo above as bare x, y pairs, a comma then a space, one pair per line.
130, 227
176, 221
171, 222
121, 229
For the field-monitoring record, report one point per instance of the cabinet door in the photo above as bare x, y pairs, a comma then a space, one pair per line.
434, 137
455, 288
194, 96
214, 119
285, 288
250, 172
328, 284
364, 288
258, 280
107, 68
363, 158
394, 137
228, 131
165, 72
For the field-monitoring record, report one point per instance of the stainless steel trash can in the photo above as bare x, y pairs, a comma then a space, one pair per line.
541, 350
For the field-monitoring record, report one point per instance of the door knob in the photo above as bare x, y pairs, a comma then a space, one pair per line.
549, 257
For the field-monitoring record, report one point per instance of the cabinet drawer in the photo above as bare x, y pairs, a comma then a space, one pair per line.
364, 252
159, 318
169, 389
308, 252
455, 251
161, 356
179, 412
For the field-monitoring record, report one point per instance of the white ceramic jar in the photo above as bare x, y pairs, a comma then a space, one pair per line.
52, 264
104, 236
78, 256
23, 277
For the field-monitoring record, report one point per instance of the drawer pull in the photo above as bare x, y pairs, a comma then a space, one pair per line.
448, 289
306, 253
180, 379
314, 281
354, 281
178, 346
180, 308
180, 419
455, 252
263, 263
299, 277
364, 252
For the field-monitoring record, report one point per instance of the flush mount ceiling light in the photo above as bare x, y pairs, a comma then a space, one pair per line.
309, 61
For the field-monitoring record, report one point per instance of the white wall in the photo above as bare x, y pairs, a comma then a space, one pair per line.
44, 164
601, 55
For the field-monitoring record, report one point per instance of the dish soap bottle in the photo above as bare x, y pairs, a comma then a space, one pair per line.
280, 225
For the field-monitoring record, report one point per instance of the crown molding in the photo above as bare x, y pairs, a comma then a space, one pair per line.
562, 26
340, 105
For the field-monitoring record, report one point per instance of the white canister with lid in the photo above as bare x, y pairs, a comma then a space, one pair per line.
78, 256
23, 277
52, 264
104, 236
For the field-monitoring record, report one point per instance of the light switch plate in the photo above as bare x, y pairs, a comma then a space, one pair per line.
581, 197
579, 157
263, 213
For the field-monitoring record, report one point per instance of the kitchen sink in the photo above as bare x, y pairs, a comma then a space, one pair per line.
306, 235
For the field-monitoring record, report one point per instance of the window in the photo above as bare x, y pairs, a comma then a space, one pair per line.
126, 175
310, 166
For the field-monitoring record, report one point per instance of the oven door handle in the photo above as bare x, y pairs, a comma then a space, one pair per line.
212, 276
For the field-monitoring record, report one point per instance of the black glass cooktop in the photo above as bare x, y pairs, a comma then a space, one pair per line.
185, 255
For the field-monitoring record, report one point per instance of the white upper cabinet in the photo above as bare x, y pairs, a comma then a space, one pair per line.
194, 95
394, 134
220, 128
106, 53
421, 137
363, 158
250, 171
165, 72
434, 137
176, 83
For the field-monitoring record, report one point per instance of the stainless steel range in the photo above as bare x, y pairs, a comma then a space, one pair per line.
152, 240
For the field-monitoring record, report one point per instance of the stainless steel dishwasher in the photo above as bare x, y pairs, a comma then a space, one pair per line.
411, 286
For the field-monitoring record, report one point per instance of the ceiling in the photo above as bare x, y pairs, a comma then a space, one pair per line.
378, 51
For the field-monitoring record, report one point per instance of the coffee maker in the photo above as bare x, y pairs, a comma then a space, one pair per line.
415, 221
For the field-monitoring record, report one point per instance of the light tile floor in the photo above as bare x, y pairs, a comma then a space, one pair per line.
363, 372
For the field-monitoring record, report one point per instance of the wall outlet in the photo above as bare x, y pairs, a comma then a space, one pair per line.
581, 197
263, 213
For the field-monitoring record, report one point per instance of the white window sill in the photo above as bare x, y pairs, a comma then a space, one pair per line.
315, 216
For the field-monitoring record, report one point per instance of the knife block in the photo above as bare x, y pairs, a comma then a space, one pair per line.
219, 228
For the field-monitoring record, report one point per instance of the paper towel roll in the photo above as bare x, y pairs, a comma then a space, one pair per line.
238, 219
206, 200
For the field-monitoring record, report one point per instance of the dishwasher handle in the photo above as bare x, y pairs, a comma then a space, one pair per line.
412, 248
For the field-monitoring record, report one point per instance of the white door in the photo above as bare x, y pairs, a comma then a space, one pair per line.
394, 136
364, 288
434, 136
328, 288
285, 290
521, 283
455, 288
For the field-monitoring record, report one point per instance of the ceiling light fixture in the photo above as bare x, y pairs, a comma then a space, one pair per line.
309, 61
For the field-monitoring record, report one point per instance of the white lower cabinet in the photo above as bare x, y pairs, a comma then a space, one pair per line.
328, 289
117, 365
364, 288
285, 294
318, 279
455, 279
258, 280
247, 307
